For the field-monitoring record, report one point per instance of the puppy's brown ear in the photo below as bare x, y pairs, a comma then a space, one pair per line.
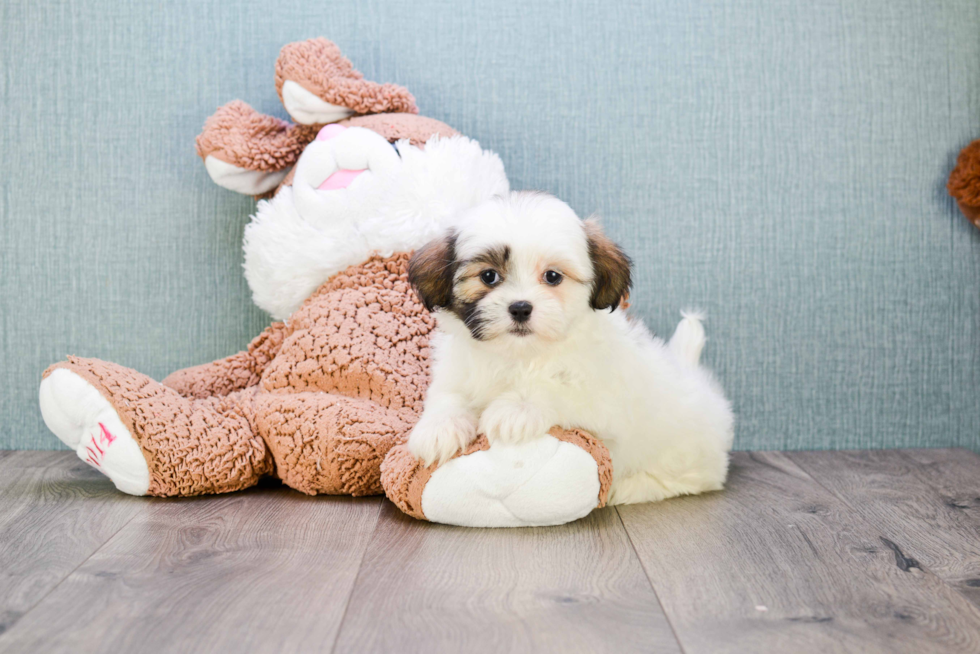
611, 268
431, 270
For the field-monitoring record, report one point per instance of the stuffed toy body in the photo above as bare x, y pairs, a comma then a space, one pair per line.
964, 182
325, 400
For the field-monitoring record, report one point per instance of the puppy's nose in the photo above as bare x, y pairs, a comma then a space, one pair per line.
520, 311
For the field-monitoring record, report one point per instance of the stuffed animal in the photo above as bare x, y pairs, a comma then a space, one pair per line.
325, 400
964, 182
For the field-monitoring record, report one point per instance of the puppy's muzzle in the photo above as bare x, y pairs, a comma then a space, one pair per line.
520, 311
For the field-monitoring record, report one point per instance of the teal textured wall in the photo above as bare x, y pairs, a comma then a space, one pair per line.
779, 164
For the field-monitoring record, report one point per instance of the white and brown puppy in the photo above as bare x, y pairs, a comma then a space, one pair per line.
531, 334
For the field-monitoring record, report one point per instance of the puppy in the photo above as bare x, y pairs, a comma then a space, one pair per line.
531, 334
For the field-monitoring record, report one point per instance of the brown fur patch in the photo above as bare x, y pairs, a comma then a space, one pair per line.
495, 258
469, 287
611, 269
431, 272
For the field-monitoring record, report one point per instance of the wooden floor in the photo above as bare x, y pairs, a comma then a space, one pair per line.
804, 552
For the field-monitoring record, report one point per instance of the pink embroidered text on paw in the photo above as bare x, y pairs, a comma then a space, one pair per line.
96, 449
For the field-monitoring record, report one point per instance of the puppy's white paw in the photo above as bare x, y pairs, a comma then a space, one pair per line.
512, 421
436, 439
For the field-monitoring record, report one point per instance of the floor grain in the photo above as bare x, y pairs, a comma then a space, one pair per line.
778, 563
927, 502
431, 588
804, 552
265, 570
55, 512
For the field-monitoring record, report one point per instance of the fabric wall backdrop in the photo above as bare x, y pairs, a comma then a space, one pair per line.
779, 164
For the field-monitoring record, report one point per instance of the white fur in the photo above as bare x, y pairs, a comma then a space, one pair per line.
664, 419
303, 236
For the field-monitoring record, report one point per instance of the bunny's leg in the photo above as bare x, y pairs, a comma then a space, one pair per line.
235, 373
146, 437
329, 444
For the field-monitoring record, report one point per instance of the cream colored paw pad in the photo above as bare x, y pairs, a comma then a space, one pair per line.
307, 109
544, 481
241, 180
78, 414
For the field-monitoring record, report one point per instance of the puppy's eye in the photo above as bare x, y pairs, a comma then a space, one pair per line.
553, 278
490, 277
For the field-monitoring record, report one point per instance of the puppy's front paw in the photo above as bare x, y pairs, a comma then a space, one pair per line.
513, 421
437, 439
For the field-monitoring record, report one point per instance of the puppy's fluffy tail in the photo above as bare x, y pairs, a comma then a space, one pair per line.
688, 339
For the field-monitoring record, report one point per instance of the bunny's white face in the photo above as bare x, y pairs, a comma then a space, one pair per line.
355, 194
343, 175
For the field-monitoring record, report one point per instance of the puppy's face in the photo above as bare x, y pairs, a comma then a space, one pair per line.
520, 268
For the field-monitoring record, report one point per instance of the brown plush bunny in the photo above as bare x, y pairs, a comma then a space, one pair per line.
250, 153
964, 182
322, 398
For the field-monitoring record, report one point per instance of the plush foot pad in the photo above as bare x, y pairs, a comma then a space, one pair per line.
551, 480
242, 180
78, 414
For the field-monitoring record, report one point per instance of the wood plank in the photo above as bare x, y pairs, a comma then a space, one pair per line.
777, 563
261, 570
24, 459
432, 588
927, 500
55, 511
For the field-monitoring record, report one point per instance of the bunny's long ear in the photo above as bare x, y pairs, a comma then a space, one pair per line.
318, 85
249, 152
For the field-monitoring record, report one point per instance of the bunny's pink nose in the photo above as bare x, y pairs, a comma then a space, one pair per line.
329, 132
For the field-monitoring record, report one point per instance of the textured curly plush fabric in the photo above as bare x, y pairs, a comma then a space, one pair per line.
318, 66
191, 446
964, 182
362, 334
394, 127
238, 134
318, 401
404, 477
234, 373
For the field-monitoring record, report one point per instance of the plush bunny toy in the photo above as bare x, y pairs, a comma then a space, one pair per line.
325, 399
